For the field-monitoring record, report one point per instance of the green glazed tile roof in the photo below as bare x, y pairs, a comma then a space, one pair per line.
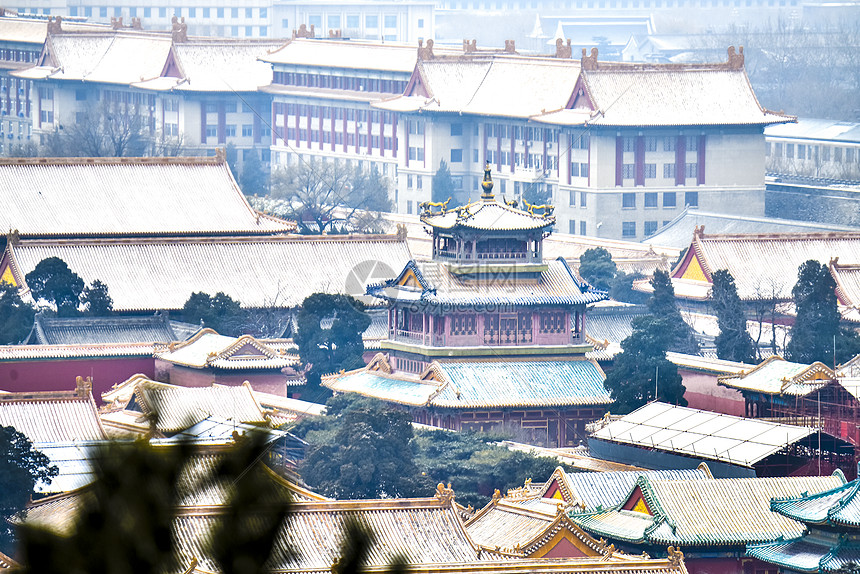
837, 507
817, 552
521, 383
616, 524
711, 512
475, 384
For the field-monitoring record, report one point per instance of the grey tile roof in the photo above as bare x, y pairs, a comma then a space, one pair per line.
149, 274
101, 197
679, 231
102, 330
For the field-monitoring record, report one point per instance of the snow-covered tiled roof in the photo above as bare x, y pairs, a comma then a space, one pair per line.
224, 66
499, 86
117, 58
352, 54
673, 95
107, 196
162, 273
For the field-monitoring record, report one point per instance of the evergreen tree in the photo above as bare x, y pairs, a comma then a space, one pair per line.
816, 330
642, 368
597, 267
96, 299
662, 305
443, 183
52, 281
221, 313
363, 450
734, 342
328, 350
254, 177
16, 316
21, 467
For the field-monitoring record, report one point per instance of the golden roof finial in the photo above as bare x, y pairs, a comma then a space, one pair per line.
487, 184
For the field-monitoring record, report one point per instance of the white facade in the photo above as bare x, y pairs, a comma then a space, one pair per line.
401, 21
619, 160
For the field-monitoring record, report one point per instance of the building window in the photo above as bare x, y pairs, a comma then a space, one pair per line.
628, 171
571, 227
692, 143
668, 171
206, 12
234, 12
420, 22
650, 171
409, 181
629, 144
409, 207
456, 156
371, 21
650, 228
192, 12
80, 95
334, 22
582, 228
583, 199
221, 13
628, 200
825, 153
211, 131
583, 170
789, 150
692, 170
391, 21
552, 322
352, 21
103, 12
691, 198
264, 31
650, 143
650, 200
583, 141
247, 130
456, 129
572, 199
669, 199
463, 324
669, 143
628, 229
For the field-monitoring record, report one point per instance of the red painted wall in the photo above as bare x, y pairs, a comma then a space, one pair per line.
266, 382
728, 566
704, 393
59, 375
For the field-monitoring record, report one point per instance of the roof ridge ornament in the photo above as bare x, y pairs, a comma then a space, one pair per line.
425, 53
589, 62
736, 60
487, 185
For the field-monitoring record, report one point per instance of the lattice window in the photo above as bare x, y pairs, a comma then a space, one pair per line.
552, 322
463, 324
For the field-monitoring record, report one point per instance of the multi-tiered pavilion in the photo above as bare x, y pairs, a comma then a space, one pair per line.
486, 333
